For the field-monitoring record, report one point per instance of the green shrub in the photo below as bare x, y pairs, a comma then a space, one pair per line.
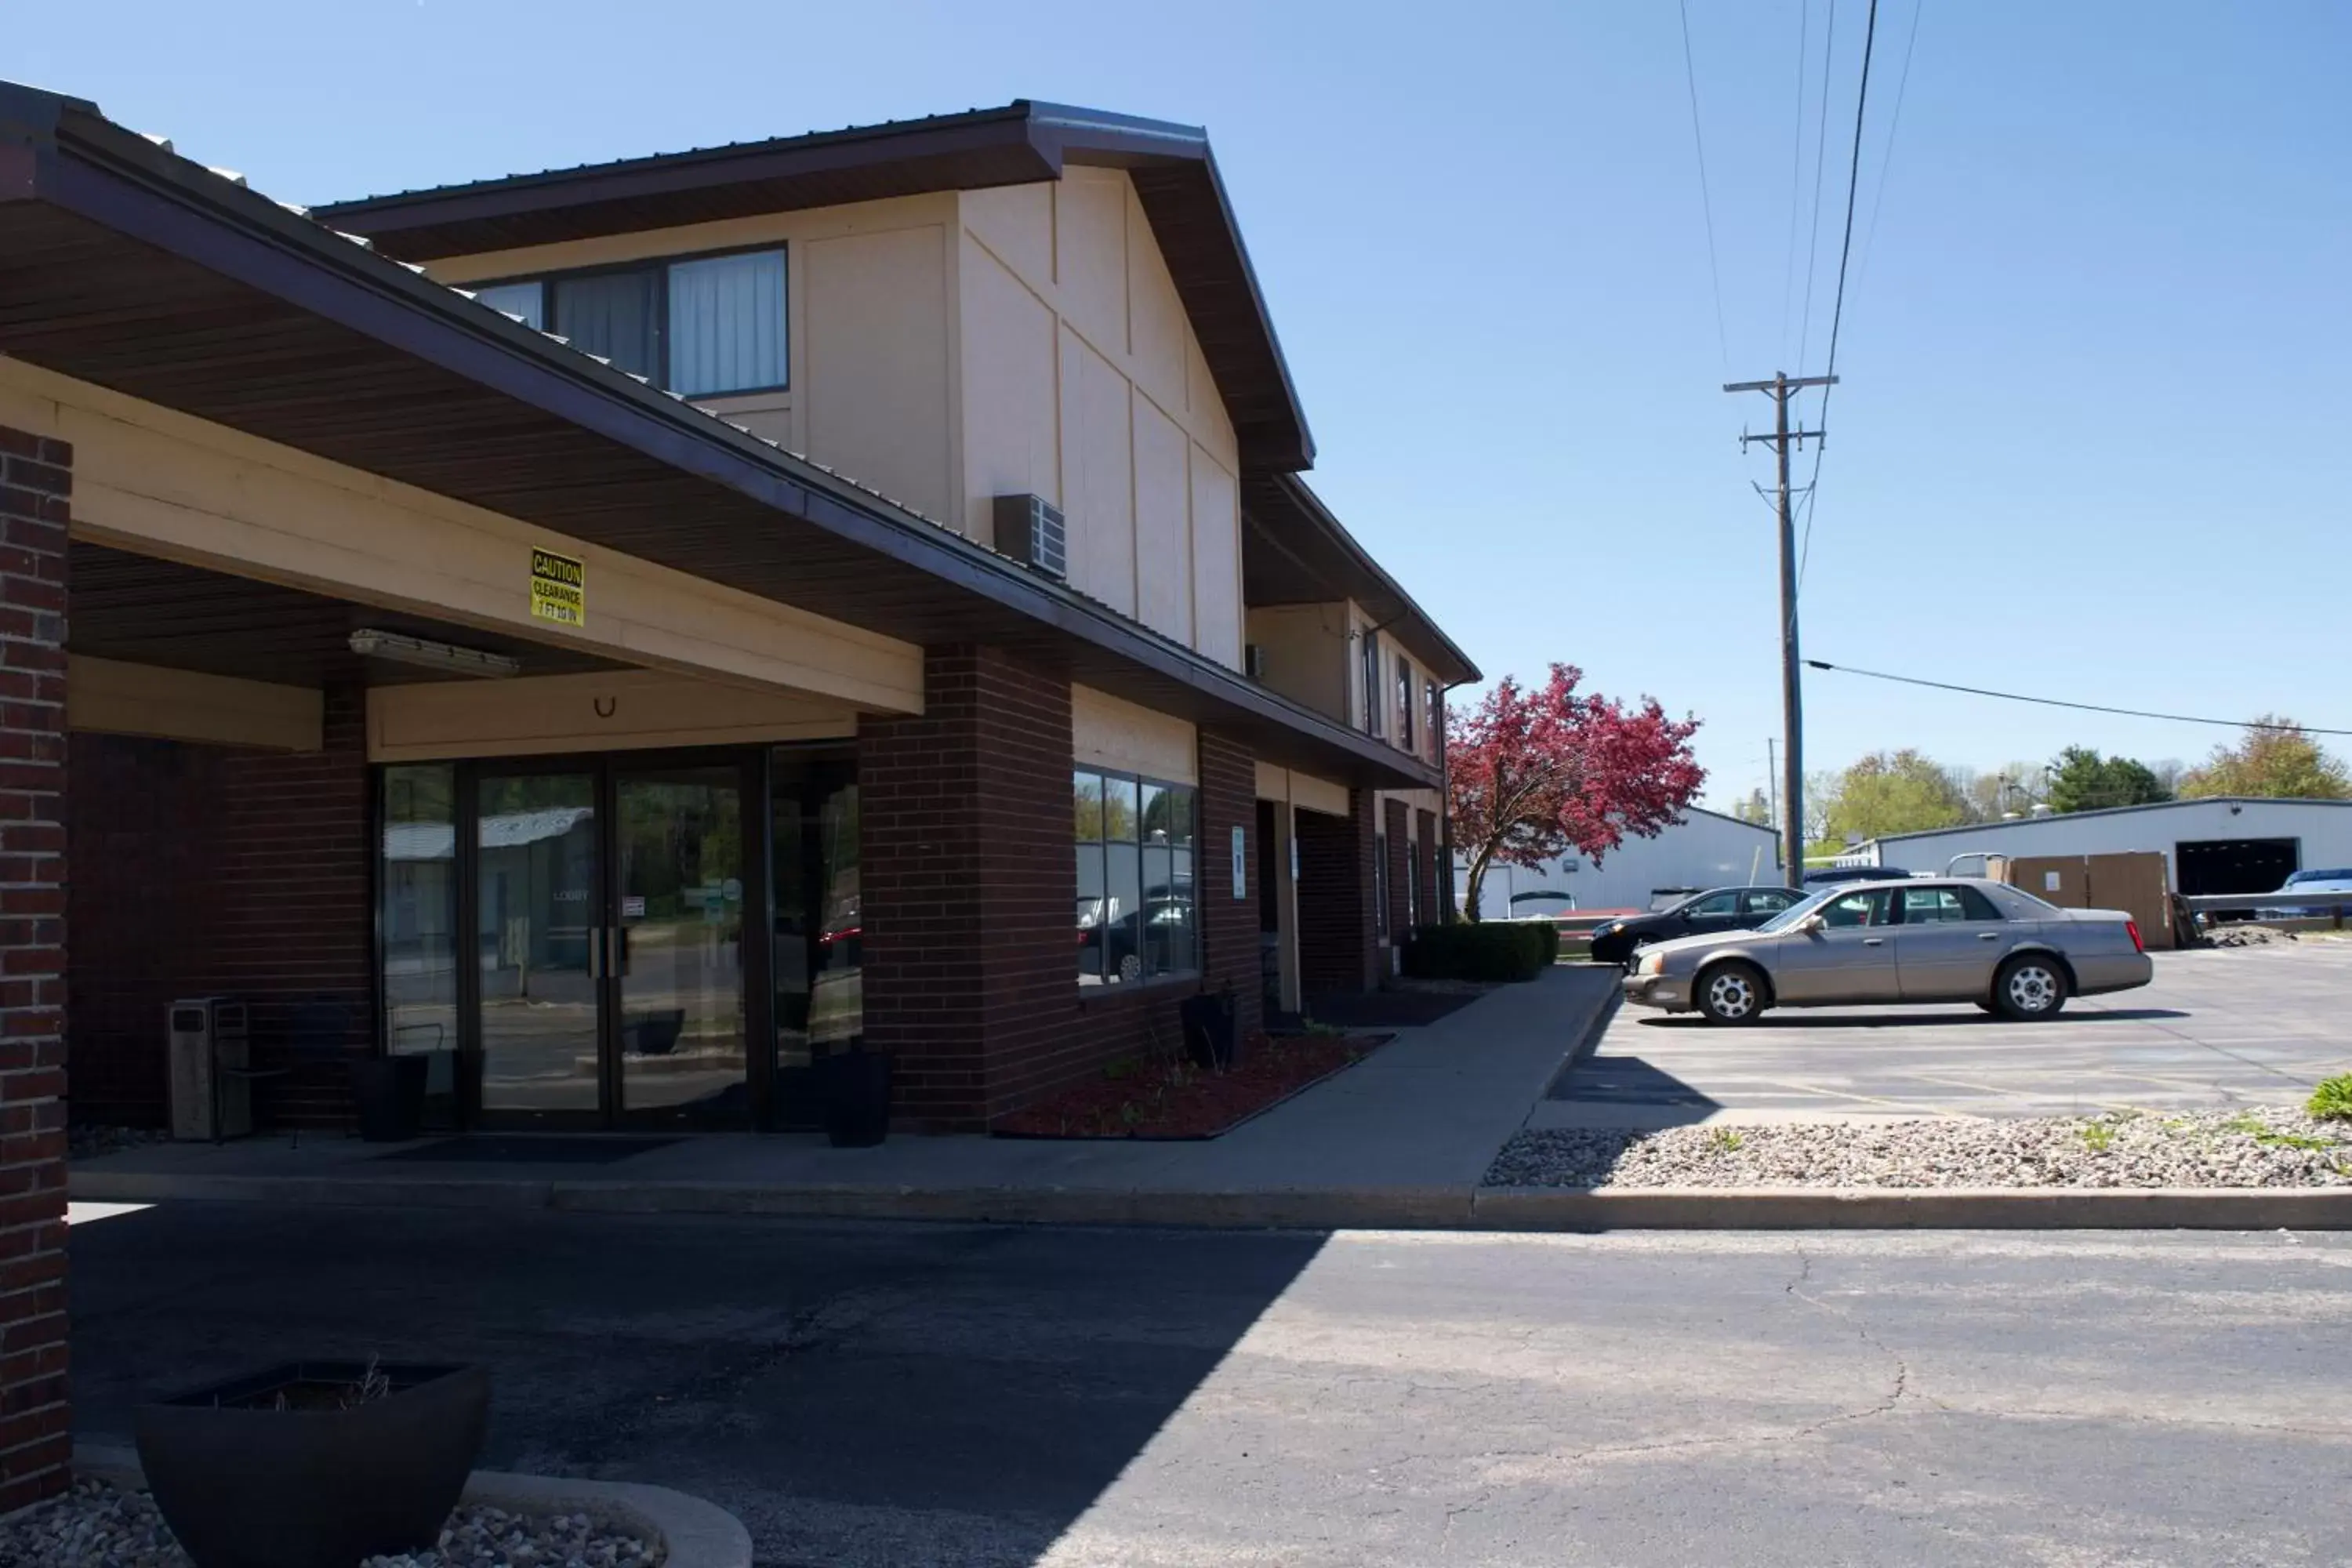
2332, 1100
1493, 950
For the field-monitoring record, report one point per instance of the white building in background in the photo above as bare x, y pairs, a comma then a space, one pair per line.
1706, 849
2222, 845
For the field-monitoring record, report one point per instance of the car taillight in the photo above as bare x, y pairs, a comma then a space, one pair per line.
2133, 927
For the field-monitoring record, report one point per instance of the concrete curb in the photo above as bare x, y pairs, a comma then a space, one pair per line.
1321, 1208
693, 1533
1913, 1208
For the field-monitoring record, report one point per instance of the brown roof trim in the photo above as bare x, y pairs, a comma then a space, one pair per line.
1174, 173
59, 155
1293, 550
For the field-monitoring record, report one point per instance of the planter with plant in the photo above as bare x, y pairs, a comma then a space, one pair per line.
314, 1463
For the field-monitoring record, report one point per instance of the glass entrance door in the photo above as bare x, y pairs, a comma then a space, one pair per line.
677, 945
539, 901
609, 899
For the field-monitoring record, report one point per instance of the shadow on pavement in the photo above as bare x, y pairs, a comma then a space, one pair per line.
1632, 1080
873, 1393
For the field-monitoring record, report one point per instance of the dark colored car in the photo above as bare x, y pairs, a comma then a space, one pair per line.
1717, 909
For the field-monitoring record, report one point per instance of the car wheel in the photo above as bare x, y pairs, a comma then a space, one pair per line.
1130, 967
1731, 993
2028, 986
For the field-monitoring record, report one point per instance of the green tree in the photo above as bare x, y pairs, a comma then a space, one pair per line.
2082, 780
1896, 792
1755, 809
2277, 759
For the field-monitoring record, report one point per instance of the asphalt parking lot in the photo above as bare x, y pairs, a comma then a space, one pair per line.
2216, 1028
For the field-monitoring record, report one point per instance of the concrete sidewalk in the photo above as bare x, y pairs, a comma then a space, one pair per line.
1400, 1139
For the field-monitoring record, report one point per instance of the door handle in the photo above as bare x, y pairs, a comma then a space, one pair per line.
1874, 941
595, 952
1988, 936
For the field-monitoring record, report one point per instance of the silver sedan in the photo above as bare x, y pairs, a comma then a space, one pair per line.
1950, 940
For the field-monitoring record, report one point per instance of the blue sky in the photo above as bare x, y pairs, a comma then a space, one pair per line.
2095, 356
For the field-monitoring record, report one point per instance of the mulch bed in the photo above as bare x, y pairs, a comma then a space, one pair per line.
1170, 1099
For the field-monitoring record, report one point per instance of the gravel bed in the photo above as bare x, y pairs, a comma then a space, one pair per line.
2274, 1147
100, 1526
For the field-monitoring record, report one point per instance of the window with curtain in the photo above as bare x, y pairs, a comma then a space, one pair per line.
1370, 652
703, 327
612, 314
727, 323
1137, 911
527, 300
1404, 703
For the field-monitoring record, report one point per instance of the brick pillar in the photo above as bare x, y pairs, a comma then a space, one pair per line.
1433, 896
1229, 926
1338, 942
36, 1438
966, 884
1396, 822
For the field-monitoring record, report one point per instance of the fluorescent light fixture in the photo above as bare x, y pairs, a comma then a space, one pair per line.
398, 647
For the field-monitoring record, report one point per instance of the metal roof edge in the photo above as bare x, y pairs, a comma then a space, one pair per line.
2111, 811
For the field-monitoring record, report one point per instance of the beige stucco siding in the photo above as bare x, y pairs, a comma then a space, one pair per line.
1109, 732
617, 710
1306, 652
1144, 459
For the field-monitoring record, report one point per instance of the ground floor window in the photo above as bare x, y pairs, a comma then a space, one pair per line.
1379, 886
1138, 913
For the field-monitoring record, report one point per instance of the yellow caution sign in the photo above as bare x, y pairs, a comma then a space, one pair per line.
559, 589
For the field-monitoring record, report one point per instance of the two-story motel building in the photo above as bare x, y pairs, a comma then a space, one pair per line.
605, 629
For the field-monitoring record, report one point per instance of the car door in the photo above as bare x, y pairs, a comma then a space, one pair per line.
1851, 958
1715, 913
1948, 942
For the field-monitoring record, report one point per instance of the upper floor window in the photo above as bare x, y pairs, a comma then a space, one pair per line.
1404, 703
1436, 708
1370, 651
700, 328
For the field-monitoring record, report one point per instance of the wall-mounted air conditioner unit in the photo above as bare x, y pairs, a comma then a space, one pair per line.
1030, 529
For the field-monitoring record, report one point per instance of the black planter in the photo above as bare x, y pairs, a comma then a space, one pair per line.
390, 1092
245, 1484
1211, 1038
852, 1090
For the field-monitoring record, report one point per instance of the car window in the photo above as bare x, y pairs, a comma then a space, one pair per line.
1714, 904
1927, 906
1769, 902
1977, 906
1871, 907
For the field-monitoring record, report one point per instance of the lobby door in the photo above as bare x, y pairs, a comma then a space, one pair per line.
609, 901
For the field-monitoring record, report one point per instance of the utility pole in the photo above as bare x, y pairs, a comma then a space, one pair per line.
1792, 717
1772, 787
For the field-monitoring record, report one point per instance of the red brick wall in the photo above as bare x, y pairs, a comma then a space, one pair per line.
35, 1438
1336, 942
967, 884
211, 870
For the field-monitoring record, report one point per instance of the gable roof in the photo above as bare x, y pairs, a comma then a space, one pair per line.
1174, 172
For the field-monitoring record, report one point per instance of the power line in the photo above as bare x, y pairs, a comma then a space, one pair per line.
2085, 707
1886, 155
1705, 205
1820, 147
1796, 176
1845, 254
